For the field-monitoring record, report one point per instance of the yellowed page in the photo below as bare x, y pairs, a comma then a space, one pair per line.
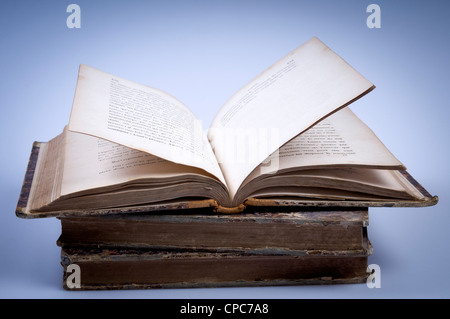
371, 182
288, 98
297, 193
140, 117
91, 162
340, 139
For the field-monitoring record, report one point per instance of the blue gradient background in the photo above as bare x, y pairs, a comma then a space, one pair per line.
202, 52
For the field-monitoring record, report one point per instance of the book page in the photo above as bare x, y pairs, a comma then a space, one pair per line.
141, 118
371, 182
292, 95
102, 163
341, 139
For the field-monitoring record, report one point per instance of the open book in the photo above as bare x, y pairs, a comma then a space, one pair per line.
286, 134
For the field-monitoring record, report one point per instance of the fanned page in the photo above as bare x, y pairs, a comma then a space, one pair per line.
340, 145
102, 163
340, 140
141, 118
288, 98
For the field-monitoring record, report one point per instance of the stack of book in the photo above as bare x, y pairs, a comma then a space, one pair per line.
209, 250
171, 245
277, 192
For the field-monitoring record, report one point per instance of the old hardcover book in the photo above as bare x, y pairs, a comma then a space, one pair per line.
186, 204
307, 231
285, 138
138, 268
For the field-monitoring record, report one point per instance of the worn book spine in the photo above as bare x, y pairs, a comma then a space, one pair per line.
141, 269
27, 182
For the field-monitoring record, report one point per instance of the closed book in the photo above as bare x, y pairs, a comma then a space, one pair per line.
98, 268
258, 232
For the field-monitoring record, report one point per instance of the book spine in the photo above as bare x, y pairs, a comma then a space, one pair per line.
28, 181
